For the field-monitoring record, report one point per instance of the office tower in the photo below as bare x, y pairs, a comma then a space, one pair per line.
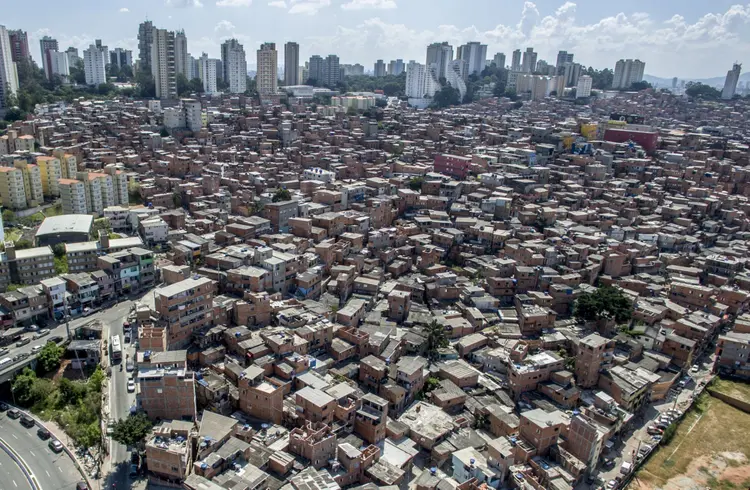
161, 63
315, 69
499, 60
94, 65
396, 67
121, 57
730, 83
627, 72
192, 68
8, 73
583, 88
19, 45
73, 57
571, 72
331, 71
60, 64
440, 54
234, 65
516, 62
103, 48
545, 68
528, 64
207, 72
266, 80
562, 58
291, 63
380, 69
47, 44
219, 69
475, 56
180, 53
674, 83
145, 40
421, 80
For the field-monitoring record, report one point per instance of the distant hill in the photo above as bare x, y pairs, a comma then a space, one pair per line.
717, 82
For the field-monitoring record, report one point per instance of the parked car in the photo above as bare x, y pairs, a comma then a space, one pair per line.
81, 485
27, 421
20, 356
41, 333
55, 445
32, 328
3, 406
133, 471
131, 386
43, 433
4, 351
56, 339
87, 311
695, 369
36, 349
23, 342
653, 430
129, 366
14, 413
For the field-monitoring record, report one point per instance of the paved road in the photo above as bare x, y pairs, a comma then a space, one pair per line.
52, 471
120, 400
11, 475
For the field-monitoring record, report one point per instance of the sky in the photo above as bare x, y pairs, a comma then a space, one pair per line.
685, 38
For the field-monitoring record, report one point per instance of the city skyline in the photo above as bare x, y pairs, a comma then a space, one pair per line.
362, 31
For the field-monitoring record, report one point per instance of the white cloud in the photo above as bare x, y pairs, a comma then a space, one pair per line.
124, 10
234, 3
310, 7
183, 3
369, 4
224, 25
278, 4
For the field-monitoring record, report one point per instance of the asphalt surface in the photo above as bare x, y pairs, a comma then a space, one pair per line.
11, 475
52, 471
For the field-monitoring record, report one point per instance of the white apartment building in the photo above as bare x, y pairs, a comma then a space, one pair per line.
118, 218
12, 191
583, 89
528, 65
187, 115
475, 55
421, 80
208, 74
163, 63
730, 83
628, 72
153, 230
539, 86
73, 196
94, 65
266, 80
439, 54
456, 76
60, 63
235, 66
8, 73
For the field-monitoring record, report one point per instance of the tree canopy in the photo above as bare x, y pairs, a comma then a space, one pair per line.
49, 357
282, 194
446, 97
606, 302
132, 430
697, 89
436, 339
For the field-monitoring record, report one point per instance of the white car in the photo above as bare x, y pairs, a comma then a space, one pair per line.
131, 386
695, 369
36, 349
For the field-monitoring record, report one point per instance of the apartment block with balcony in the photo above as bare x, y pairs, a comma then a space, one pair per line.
733, 354
82, 257
50, 171
31, 265
12, 193
185, 307
84, 291
73, 196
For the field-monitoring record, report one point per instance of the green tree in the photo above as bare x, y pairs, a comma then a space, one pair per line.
177, 199
14, 114
606, 302
23, 244
282, 194
101, 224
415, 183
436, 339
96, 380
164, 133
642, 85
61, 265
182, 85
145, 83
132, 430
446, 97
697, 89
196, 85
23, 387
49, 357
8, 217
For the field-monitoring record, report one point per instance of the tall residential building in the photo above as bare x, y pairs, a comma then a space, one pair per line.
475, 56
266, 80
73, 57
730, 83
235, 66
499, 60
516, 62
396, 67
379, 69
60, 64
528, 65
562, 58
94, 65
12, 193
73, 196
50, 170
353, 70
315, 68
421, 80
103, 48
440, 54
162, 63
180, 53
331, 71
571, 72
628, 72
184, 307
47, 44
8, 73
19, 45
120, 57
145, 40
192, 68
583, 88
208, 74
291, 63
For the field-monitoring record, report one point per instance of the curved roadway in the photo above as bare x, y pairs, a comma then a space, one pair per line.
11, 475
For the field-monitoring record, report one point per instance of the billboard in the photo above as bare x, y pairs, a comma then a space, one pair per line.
626, 118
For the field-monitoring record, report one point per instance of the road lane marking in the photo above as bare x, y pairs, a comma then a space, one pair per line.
59, 469
32, 453
14, 483
15, 436
48, 475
